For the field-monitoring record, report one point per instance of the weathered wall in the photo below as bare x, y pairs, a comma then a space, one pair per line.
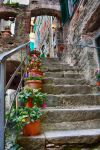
22, 29
45, 7
83, 29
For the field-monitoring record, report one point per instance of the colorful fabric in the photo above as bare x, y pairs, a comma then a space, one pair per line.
34, 27
31, 45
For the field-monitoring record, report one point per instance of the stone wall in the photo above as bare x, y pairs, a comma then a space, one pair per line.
45, 7
83, 29
23, 21
22, 30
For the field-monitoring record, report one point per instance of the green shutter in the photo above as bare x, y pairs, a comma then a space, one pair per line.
64, 10
74, 1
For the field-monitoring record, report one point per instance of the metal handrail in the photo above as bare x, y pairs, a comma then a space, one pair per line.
15, 95
6, 55
14, 74
3, 87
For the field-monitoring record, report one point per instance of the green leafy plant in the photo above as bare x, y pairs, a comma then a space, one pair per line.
33, 78
11, 4
23, 115
38, 98
98, 75
24, 95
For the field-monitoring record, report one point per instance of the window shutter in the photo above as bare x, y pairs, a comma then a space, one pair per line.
64, 10
74, 1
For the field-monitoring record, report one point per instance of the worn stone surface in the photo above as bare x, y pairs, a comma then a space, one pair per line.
73, 125
32, 143
72, 81
67, 89
83, 31
76, 114
62, 140
72, 101
71, 120
45, 7
80, 136
64, 74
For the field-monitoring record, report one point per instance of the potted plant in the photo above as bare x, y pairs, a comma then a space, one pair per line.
34, 82
6, 32
98, 77
26, 120
30, 97
34, 65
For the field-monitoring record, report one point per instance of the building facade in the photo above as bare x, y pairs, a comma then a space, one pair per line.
82, 35
45, 29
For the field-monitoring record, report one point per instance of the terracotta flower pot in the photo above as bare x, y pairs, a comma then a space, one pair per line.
29, 103
34, 84
31, 129
37, 72
98, 83
6, 33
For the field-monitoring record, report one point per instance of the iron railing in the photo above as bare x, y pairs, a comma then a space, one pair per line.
3, 87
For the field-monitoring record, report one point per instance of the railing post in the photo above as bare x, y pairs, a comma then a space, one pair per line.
2, 103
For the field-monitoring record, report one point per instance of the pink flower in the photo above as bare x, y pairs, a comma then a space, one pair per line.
34, 56
44, 105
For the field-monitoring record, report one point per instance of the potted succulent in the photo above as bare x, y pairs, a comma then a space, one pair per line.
30, 97
98, 77
26, 120
34, 82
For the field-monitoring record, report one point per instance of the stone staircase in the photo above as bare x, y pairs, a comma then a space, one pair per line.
72, 116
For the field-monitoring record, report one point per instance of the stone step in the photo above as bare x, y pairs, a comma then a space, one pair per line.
72, 125
58, 115
59, 67
67, 89
64, 74
71, 138
51, 60
71, 101
68, 81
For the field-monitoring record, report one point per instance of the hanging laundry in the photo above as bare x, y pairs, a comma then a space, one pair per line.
34, 27
31, 46
32, 41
